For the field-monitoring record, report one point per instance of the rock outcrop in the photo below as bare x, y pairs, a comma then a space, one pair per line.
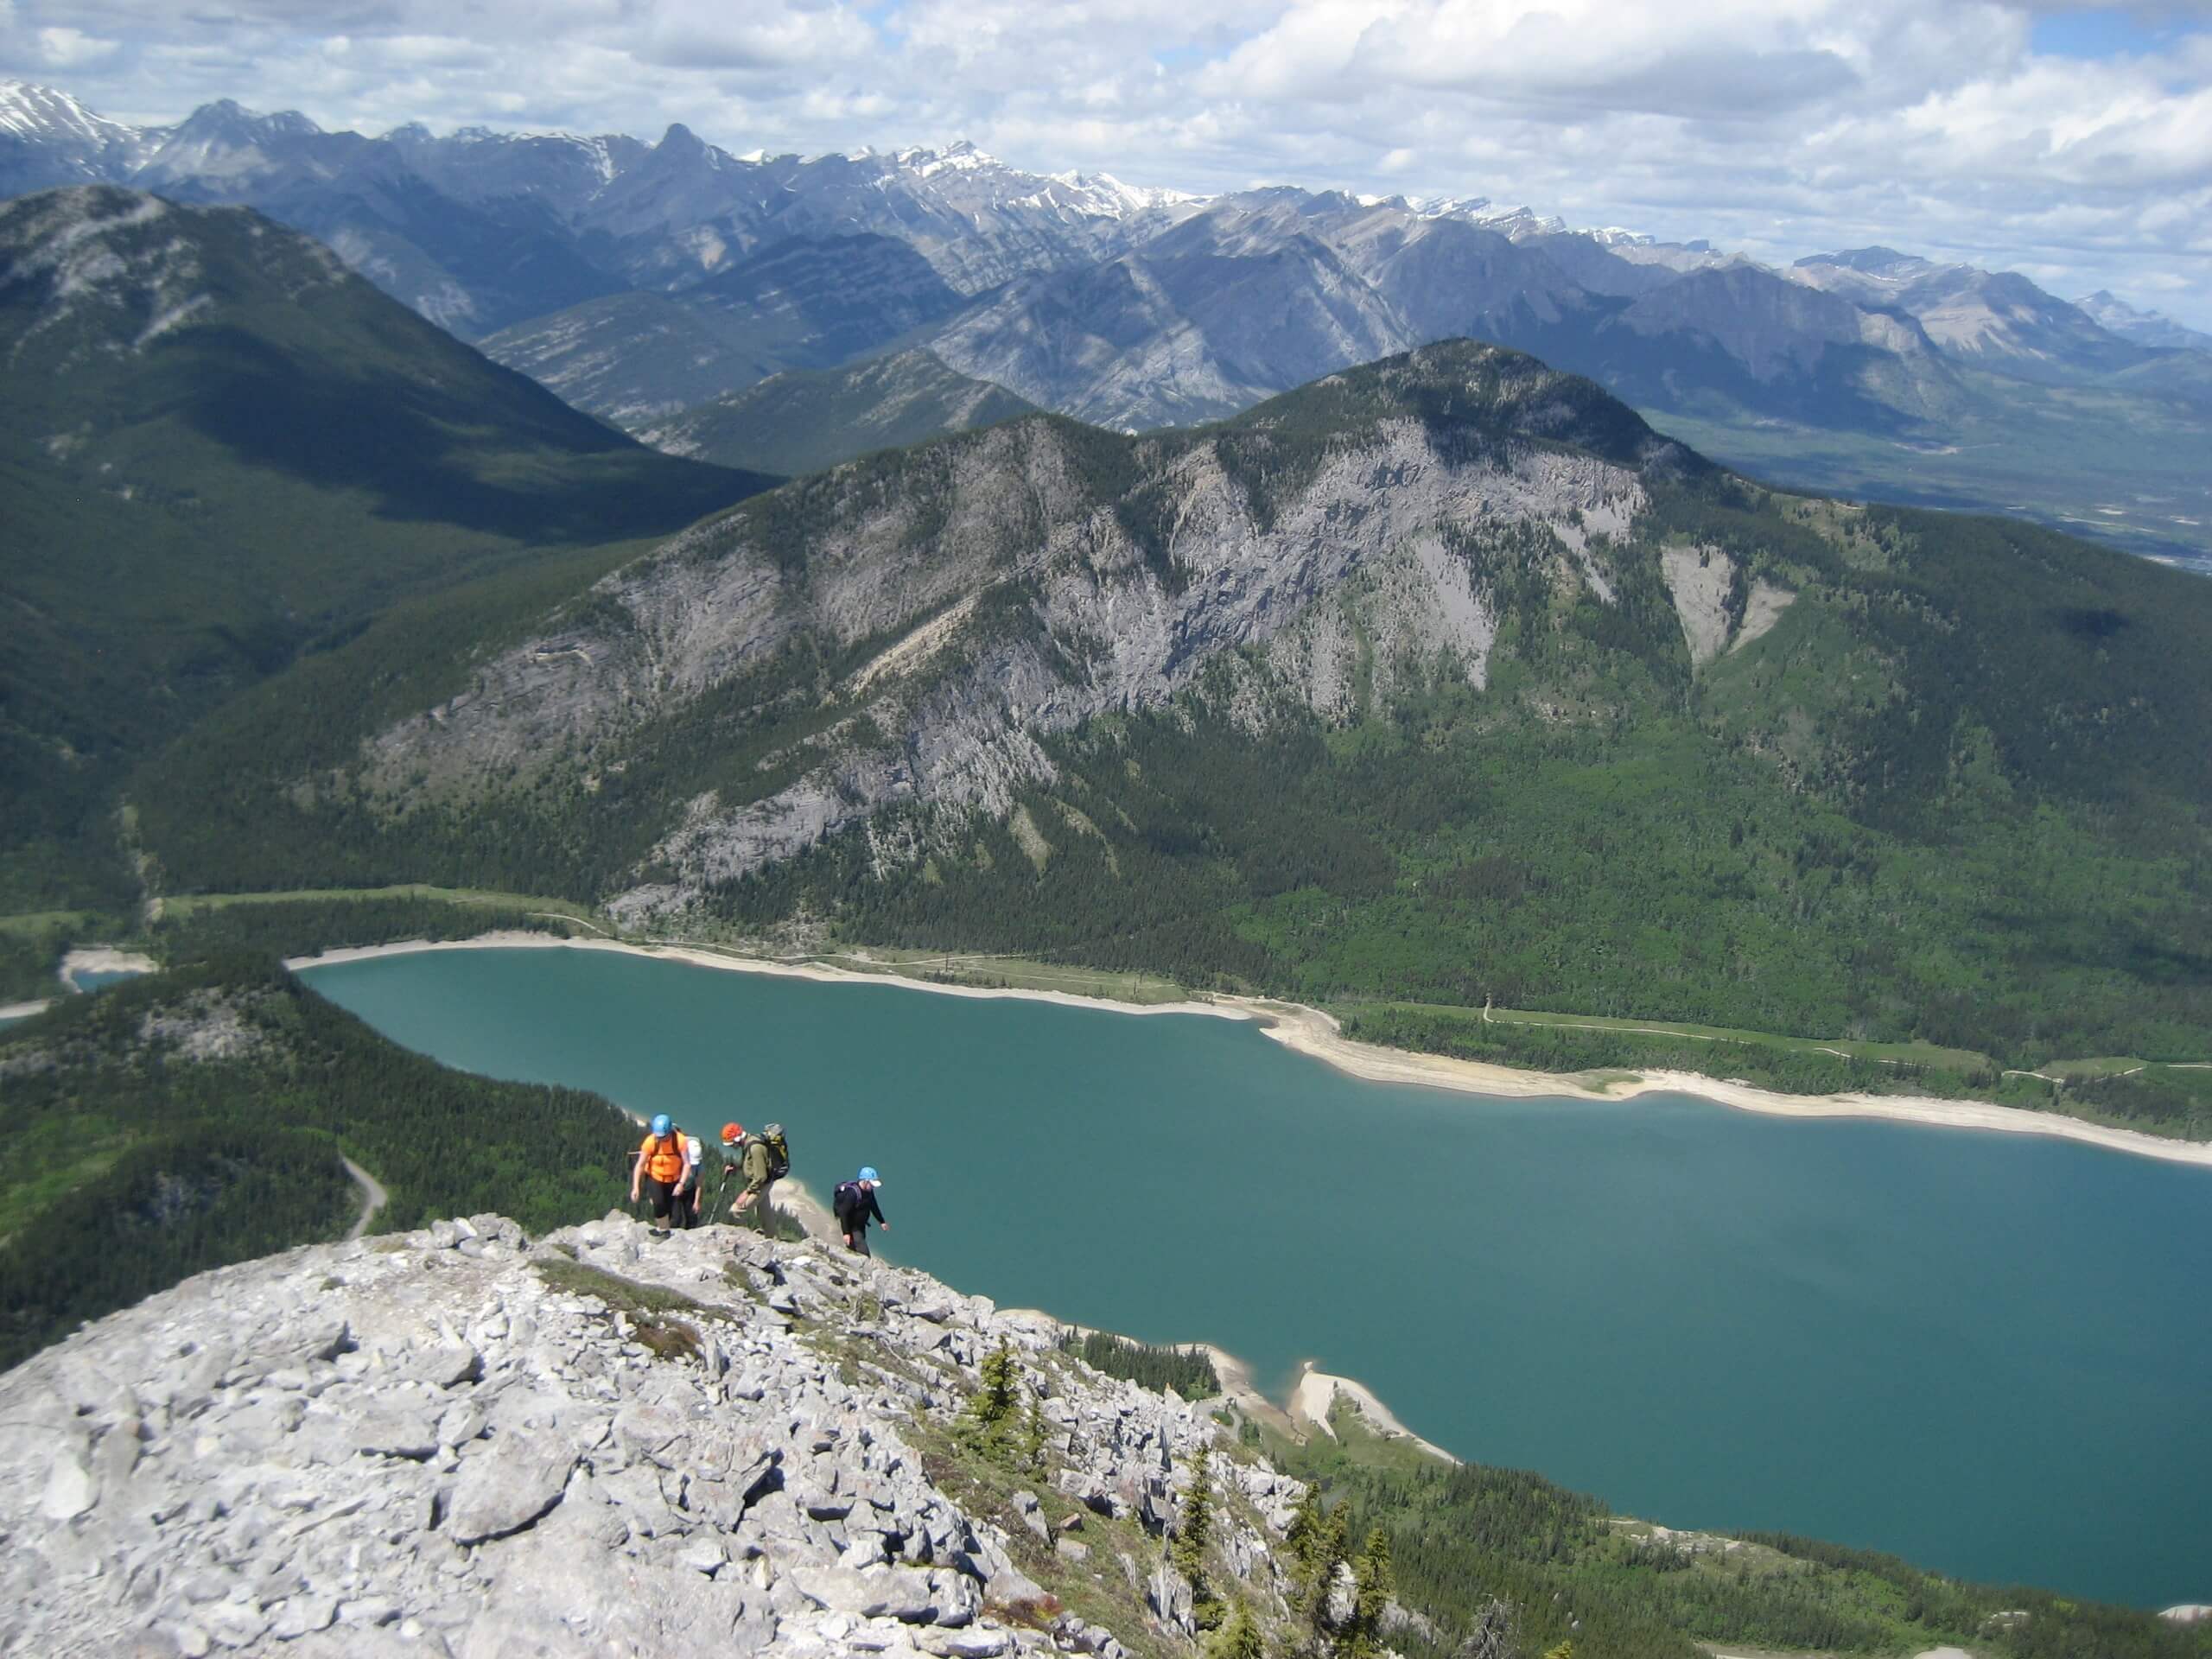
458, 1442
904, 635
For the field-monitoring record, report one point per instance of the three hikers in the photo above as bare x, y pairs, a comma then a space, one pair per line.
663, 1163
854, 1202
668, 1167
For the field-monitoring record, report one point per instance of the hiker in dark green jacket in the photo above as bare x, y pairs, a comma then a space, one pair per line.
766, 1158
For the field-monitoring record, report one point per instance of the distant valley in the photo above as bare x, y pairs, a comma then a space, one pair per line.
640, 281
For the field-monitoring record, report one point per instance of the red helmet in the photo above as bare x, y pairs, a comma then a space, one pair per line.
733, 1133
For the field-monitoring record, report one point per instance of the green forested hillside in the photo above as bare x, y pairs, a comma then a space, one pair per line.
196, 1117
1950, 798
1908, 778
220, 450
1500, 1562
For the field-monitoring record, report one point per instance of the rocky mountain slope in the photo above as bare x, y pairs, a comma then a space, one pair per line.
464, 1441
458, 1441
800, 422
1992, 318
1384, 652
218, 445
1257, 292
801, 303
2112, 313
947, 608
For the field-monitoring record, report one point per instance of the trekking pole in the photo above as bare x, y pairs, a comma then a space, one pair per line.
720, 1187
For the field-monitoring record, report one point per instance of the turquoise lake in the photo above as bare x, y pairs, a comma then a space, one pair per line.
1990, 1355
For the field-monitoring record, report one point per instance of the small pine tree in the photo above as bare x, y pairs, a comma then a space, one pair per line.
990, 1410
1362, 1637
1195, 1531
1033, 1439
1193, 1535
1239, 1638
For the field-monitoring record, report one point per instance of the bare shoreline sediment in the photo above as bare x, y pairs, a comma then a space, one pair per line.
1310, 1032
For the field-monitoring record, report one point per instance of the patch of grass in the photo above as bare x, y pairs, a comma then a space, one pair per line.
666, 1339
182, 904
619, 1295
650, 1309
1094, 1589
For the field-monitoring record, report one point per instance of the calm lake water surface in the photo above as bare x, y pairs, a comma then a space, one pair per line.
1992, 1356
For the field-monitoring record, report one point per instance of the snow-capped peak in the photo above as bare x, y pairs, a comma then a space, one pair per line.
958, 157
1104, 196
1448, 207
42, 113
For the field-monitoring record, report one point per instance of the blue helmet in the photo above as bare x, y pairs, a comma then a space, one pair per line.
662, 1123
868, 1174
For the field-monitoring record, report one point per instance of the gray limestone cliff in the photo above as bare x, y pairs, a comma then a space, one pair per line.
909, 632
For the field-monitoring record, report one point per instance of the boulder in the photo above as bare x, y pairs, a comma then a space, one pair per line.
69, 1491
507, 1486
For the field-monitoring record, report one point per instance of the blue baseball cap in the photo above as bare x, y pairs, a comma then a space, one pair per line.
662, 1123
868, 1174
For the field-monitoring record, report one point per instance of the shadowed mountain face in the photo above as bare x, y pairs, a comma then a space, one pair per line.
802, 420
824, 300
219, 444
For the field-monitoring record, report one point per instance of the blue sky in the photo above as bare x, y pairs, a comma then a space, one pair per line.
2071, 143
2107, 32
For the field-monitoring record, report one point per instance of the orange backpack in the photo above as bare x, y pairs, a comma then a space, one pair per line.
664, 1156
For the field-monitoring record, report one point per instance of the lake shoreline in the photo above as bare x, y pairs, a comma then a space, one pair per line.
1302, 1412
1311, 1031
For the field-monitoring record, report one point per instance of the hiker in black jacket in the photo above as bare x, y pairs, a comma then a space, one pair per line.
854, 1202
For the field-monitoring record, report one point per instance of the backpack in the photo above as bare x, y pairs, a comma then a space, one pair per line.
849, 1201
779, 1156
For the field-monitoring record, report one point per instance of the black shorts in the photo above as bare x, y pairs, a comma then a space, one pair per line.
661, 1195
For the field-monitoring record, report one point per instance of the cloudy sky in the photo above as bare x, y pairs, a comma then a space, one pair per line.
2072, 143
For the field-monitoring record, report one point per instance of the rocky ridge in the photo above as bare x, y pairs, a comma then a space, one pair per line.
459, 1442
1014, 587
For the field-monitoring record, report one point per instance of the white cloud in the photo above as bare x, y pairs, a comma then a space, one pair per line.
1779, 126
72, 49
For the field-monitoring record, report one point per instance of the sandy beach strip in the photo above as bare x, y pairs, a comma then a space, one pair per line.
1317, 1392
1312, 1032
104, 959
702, 956
23, 1010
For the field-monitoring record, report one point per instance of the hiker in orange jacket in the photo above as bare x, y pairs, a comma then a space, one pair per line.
662, 1162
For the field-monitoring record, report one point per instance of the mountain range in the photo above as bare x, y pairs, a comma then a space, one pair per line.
1440, 678
639, 279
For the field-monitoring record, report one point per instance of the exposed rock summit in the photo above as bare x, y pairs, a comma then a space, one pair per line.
456, 1442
